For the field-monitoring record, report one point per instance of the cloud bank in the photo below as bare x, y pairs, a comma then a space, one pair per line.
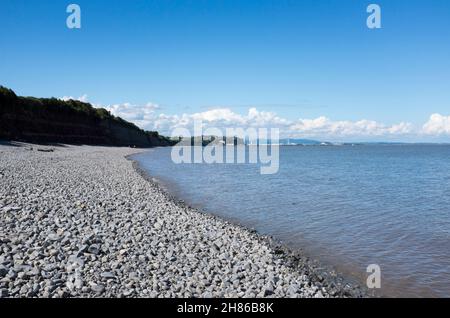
321, 127
150, 117
437, 125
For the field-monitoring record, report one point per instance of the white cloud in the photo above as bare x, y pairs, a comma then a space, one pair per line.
133, 112
83, 98
437, 125
402, 128
221, 118
262, 119
218, 115
143, 116
323, 126
149, 117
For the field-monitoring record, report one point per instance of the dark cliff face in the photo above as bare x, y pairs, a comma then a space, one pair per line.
50, 120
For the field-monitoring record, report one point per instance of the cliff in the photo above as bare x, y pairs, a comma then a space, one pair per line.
51, 120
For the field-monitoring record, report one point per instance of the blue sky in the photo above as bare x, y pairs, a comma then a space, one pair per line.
289, 60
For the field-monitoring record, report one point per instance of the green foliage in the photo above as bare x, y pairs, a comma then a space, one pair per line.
6, 92
103, 113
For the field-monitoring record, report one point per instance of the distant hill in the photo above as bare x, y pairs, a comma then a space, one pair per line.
51, 120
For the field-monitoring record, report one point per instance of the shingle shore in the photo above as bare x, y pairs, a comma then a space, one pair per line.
79, 221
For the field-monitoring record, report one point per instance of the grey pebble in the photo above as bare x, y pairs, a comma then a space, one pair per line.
82, 215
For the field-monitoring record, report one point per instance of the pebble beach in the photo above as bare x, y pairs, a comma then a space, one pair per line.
85, 221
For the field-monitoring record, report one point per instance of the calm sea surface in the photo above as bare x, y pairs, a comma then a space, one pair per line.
346, 206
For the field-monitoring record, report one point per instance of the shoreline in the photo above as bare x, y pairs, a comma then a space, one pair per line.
86, 221
295, 259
